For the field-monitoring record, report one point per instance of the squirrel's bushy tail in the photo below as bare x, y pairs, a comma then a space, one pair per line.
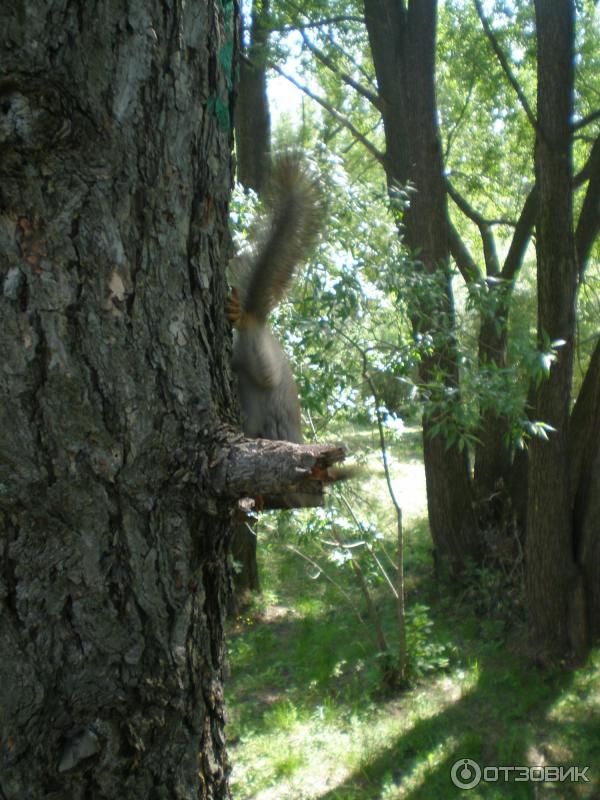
295, 213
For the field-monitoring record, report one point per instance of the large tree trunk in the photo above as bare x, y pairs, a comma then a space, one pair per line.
403, 46
115, 171
551, 577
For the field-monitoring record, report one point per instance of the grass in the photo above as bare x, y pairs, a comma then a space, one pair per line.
309, 718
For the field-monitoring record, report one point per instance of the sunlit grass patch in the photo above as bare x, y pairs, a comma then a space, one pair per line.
305, 753
309, 716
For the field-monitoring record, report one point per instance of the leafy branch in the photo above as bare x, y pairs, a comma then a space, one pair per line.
360, 137
504, 64
344, 76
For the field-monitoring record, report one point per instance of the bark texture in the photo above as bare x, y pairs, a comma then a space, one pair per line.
551, 576
115, 169
265, 466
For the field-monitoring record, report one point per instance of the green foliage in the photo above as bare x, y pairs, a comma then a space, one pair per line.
426, 652
487, 138
369, 292
588, 314
307, 718
363, 321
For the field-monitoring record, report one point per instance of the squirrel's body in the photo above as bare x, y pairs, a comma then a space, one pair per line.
267, 390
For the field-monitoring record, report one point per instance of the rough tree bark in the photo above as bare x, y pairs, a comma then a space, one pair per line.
551, 575
115, 172
402, 39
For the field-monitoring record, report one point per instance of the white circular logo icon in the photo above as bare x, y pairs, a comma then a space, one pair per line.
465, 773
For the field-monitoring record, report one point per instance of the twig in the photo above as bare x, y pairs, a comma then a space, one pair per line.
327, 577
344, 76
581, 123
319, 23
459, 119
402, 654
364, 587
334, 113
369, 78
505, 65
371, 550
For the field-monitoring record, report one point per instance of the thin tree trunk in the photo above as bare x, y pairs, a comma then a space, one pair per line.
492, 461
253, 148
549, 548
115, 174
246, 580
584, 461
252, 117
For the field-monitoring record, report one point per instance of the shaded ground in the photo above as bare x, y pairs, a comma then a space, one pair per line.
309, 718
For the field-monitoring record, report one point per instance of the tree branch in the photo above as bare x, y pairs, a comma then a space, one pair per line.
521, 237
259, 467
584, 121
492, 265
334, 113
459, 119
344, 76
589, 217
587, 227
319, 23
298, 10
369, 78
465, 262
505, 65
470, 212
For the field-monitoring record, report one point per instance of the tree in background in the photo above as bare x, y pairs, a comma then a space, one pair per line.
403, 42
252, 124
252, 117
479, 93
558, 552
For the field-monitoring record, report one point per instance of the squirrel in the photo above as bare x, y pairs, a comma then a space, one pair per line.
267, 389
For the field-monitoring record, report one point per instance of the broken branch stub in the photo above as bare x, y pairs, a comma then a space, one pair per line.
283, 474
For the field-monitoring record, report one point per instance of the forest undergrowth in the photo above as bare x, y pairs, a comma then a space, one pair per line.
309, 716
